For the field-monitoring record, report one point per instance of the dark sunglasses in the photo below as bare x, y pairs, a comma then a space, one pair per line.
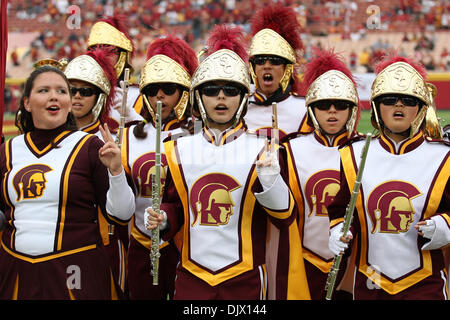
326, 105
168, 89
406, 101
213, 90
261, 60
84, 91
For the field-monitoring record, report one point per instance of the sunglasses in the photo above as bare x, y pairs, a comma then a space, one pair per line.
326, 105
406, 101
168, 89
84, 91
276, 61
213, 90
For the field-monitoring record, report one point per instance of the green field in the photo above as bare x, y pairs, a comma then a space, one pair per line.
364, 125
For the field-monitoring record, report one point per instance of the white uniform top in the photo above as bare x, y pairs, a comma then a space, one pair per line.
138, 159
37, 188
398, 189
316, 169
216, 176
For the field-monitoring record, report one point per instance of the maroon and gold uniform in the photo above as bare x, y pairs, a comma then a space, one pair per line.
170, 64
53, 188
404, 190
400, 187
214, 198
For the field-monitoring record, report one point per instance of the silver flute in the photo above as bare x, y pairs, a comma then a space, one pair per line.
156, 193
332, 274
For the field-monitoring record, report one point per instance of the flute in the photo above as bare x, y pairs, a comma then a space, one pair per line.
126, 78
332, 274
156, 193
275, 131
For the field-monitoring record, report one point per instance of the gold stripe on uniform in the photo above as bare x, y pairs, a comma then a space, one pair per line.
437, 190
49, 257
55, 141
368, 271
66, 189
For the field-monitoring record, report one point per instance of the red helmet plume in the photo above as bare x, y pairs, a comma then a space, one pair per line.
393, 58
282, 20
323, 61
225, 37
176, 49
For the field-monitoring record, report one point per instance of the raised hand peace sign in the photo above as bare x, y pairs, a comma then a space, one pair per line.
110, 154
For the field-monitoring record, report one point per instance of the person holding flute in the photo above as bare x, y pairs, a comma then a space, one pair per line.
401, 220
165, 79
223, 185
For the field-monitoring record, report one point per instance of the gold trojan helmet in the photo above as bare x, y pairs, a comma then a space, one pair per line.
94, 71
225, 63
170, 60
328, 78
276, 31
400, 77
105, 33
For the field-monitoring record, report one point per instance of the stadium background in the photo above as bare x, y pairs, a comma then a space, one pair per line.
360, 30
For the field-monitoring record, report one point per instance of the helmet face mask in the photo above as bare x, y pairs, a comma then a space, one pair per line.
162, 69
400, 78
333, 85
416, 124
86, 69
221, 66
200, 110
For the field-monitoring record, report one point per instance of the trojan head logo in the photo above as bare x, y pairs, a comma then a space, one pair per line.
143, 171
390, 208
211, 200
320, 190
30, 181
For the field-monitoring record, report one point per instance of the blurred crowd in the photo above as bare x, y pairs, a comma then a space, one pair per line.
192, 20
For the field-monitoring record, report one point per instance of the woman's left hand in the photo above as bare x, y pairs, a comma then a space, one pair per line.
110, 154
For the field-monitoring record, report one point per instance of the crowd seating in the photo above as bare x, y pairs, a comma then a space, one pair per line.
347, 25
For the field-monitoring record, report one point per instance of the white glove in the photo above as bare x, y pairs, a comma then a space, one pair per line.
334, 242
147, 223
268, 170
428, 229
117, 102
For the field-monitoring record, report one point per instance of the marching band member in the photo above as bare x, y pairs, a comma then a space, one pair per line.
92, 78
216, 195
165, 77
112, 32
314, 163
273, 55
55, 181
401, 220
274, 52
